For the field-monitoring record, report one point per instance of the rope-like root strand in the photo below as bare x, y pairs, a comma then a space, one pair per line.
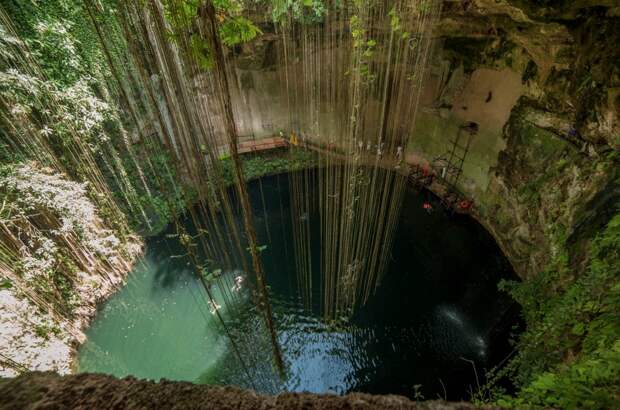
351, 86
365, 65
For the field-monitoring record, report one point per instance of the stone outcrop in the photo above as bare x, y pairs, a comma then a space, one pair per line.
539, 168
93, 391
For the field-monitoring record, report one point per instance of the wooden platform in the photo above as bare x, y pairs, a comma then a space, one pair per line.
411, 162
263, 144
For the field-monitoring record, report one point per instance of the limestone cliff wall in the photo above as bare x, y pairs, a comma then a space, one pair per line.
541, 80
542, 83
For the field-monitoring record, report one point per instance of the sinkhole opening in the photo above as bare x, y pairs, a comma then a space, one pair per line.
436, 322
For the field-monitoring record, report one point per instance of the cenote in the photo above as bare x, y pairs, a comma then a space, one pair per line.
436, 322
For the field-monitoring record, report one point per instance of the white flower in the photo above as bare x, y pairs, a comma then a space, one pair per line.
46, 131
18, 110
68, 201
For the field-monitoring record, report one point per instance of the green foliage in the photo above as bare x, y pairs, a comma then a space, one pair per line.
530, 72
181, 13
160, 206
542, 150
44, 331
7, 155
64, 104
56, 49
569, 355
259, 248
365, 48
394, 20
200, 51
530, 192
237, 30
303, 11
60, 35
262, 165
233, 29
211, 275
233, 7
396, 26
61, 116
5, 284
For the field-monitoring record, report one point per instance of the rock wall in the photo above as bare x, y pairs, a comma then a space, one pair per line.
542, 81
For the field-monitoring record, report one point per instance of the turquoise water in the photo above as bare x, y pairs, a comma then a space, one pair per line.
437, 308
143, 328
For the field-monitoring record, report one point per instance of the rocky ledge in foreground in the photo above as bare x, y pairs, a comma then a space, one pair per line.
46, 390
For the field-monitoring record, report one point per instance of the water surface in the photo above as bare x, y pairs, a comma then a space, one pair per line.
436, 315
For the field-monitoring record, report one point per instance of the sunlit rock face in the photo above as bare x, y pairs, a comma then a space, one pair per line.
540, 79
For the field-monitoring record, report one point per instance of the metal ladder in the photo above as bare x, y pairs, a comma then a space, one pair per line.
450, 166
